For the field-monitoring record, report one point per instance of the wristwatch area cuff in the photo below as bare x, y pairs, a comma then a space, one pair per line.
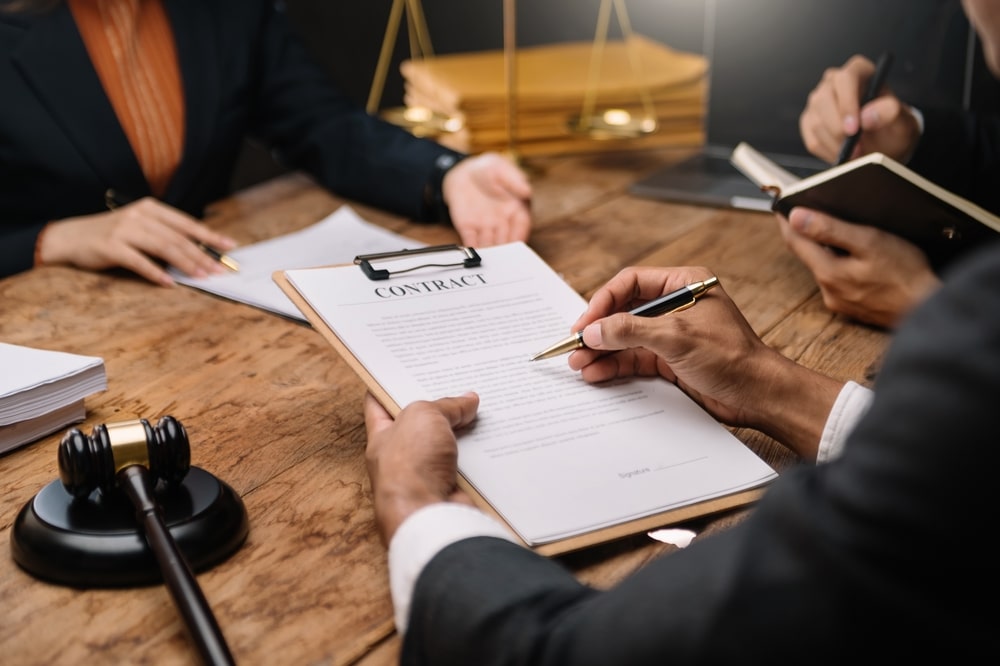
435, 208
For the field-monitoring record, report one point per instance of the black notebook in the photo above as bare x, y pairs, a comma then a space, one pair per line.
878, 191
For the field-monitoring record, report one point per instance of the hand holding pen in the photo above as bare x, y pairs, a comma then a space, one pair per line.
839, 115
875, 85
709, 350
678, 299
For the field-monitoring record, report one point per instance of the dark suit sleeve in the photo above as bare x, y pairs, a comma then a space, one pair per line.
311, 125
960, 151
873, 556
17, 249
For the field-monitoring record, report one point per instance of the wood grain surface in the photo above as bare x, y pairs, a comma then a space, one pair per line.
271, 409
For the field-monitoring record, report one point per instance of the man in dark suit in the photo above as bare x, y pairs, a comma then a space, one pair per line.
144, 107
875, 554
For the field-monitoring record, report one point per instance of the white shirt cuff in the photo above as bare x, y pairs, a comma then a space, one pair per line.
919, 117
422, 536
850, 406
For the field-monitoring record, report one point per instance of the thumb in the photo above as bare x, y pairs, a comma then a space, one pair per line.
619, 331
459, 410
826, 230
879, 113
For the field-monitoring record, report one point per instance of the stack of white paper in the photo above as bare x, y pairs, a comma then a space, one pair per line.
42, 391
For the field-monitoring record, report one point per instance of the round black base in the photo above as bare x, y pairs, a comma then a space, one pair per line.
97, 542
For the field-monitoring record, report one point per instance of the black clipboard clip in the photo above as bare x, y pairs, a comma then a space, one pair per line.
470, 258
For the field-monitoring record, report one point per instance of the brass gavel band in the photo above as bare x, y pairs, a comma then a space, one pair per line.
129, 444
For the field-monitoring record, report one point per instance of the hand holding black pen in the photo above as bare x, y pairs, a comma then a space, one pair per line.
676, 300
874, 86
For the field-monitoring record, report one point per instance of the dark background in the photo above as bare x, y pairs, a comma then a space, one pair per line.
346, 37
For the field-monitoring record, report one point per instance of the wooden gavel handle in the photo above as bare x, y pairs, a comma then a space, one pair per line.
183, 586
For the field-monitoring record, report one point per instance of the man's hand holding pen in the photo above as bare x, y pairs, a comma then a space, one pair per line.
676, 300
709, 350
649, 346
838, 108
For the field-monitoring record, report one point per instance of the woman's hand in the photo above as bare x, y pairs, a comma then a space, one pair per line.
136, 236
489, 200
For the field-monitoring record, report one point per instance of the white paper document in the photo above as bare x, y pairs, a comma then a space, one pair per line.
553, 455
42, 390
336, 239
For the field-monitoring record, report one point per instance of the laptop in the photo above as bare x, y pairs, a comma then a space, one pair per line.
766, 56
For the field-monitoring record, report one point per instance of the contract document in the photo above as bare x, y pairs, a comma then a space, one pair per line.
564, 463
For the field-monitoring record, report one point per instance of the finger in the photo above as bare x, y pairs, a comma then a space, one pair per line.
624, 363
184, 224
515, 181
470, 236
486, 236
519, 228
167, 234
185, 255
828, 130
377, 418
636, 285
848, 85
140, 264
852, 238
879, 113
459, 410
611, 333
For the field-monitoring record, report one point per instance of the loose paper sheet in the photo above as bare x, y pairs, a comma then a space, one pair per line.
336, 239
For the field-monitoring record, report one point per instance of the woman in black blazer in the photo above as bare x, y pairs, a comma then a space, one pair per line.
64, 156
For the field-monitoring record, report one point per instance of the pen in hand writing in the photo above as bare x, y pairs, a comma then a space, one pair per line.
874, 85
113, 200
672, 302
223, 259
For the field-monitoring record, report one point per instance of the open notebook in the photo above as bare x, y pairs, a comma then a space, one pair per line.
766, 56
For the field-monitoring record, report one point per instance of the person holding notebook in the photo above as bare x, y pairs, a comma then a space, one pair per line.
123, 119
880, 277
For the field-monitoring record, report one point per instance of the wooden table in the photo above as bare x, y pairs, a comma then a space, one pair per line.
273, 411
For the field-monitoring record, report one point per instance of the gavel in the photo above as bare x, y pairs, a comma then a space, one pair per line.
135, 456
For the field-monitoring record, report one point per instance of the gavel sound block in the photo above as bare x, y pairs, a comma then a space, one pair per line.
81, 530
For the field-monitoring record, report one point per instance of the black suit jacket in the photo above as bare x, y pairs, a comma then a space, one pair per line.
884, 555
961, 152
244, 73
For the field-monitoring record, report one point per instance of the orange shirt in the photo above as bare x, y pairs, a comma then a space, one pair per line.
131, 44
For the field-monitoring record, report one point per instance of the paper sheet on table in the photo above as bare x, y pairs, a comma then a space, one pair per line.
336, 239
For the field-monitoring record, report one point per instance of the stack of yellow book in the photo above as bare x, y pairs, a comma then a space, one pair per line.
552, 84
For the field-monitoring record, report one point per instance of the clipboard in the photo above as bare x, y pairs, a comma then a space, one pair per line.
392, 263
461, 258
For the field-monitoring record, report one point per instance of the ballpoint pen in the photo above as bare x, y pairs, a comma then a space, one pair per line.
223, 259
874, 85
676, 300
